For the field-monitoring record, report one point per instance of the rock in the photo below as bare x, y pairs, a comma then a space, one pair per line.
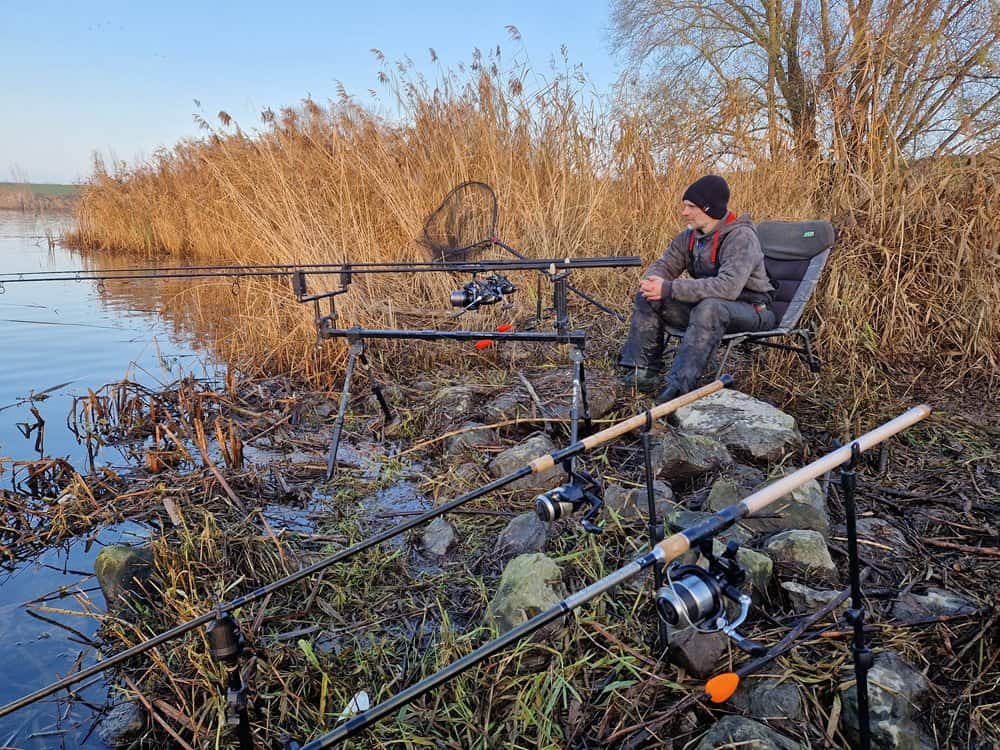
896, 695
803, 508
695, 651
745, 734
631, 506
736, 482
453, 403
803, 551
525, 533
122, 572
759, 568
769, 698
679, 520
743, 424
805, 599
470, 474
522, 454
474, 438
122, 725
678, 456
933, 603
438, 538
530, 584
555, 390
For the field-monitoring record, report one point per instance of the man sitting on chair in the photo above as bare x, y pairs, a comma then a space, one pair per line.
728, 292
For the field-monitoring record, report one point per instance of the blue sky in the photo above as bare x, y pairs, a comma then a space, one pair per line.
120, 78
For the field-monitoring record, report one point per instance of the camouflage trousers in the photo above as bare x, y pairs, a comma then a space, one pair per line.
704, 324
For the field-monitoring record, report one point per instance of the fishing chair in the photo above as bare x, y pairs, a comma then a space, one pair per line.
794, 255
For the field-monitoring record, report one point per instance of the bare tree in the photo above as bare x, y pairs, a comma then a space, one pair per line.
918, 77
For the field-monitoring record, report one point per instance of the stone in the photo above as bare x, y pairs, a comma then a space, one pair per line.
737, 482
803, 508
453, 403
123, 572
743, 424
123, 725
530, 584
678, 520
696, 651
678, 456
438, 538
897, 693
933, 603
470, 474
805, 599
745, 734
758, 566
630, 504
769, 698
477, 436
803, 551
524, 453
525, 533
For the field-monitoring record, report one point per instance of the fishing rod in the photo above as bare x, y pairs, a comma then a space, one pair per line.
662, 553
536, 466
523, 263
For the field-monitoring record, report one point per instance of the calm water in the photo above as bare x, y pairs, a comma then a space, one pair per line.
68, 335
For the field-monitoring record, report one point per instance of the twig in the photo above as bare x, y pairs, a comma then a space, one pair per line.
990, 551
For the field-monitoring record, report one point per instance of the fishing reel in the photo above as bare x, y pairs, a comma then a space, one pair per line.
486, 291
579, 493
694, 596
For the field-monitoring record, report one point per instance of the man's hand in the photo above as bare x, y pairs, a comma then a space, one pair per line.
651, 288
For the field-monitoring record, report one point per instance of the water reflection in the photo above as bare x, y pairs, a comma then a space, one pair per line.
59, 340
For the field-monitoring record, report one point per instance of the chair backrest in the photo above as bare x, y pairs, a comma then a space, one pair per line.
794, 254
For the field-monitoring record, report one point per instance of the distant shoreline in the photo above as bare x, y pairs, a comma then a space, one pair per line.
27, 196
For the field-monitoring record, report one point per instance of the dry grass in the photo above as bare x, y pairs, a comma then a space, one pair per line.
913, 283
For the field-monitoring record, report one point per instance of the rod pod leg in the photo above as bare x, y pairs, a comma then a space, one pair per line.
863, 658
655, 526
356, 350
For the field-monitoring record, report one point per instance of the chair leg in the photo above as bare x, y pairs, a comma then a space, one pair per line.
725, 356
810, 357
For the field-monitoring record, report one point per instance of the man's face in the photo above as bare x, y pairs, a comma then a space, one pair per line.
695, 217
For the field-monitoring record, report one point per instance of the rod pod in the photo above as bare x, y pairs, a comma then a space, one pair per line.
663, 553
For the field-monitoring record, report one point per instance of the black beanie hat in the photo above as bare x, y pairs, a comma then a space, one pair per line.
709, 193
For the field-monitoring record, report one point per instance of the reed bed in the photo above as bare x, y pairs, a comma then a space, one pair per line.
911, 291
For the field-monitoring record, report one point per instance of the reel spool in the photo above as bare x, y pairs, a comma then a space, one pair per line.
696, 597
569, 499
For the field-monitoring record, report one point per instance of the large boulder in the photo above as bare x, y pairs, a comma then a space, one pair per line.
530, 584
520, 455
743, 424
